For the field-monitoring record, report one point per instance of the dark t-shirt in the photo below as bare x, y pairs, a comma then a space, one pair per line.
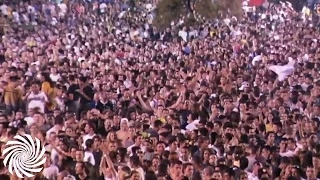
89, 92
101, 107
104, 132
168, 177
93, 171
97, 157
73, 90
86, 178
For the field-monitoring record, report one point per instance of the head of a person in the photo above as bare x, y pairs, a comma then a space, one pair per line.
124, 172
215, 175
138, 139
188, 169
89, 128
89, 144
112, 136
38, 118
311, 172
124, 124
59, 120
108, 123
112, 146
82, 80
79, 155
45, 77
176, 168
244, 176
80, 168
135, 175
160, 147
73, 152
134, 161
35, 87
96, 142
173, 144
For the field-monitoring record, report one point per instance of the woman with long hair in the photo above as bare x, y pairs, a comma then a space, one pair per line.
112, 137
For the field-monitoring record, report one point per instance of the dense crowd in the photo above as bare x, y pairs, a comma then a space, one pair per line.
112, 97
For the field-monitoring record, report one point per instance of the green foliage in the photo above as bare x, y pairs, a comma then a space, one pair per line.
230, 8
167, 11
172, 10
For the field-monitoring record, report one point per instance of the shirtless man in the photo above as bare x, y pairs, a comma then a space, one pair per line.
123, 134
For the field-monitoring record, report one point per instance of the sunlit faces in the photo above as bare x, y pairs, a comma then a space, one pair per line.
112, 146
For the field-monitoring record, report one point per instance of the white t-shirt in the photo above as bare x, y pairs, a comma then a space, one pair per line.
50, 172
183, 35
29, 121
53, 129
31, 9
55, 77
4, 9
37, 100
63, 8
103, 7
16, 16
88, 157
252, 176
85, 138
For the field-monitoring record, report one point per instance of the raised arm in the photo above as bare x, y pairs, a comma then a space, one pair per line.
102, 165
143, 104
175, 105
111, 166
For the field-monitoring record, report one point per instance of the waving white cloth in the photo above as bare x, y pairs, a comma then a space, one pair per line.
283, 71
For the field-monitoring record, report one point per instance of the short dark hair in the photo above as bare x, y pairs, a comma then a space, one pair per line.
36, 82
83, 79
59, 120
91, 125
175, 162
185, 165
89, 143
135, 160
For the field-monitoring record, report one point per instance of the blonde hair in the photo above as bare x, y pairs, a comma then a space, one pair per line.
108, 139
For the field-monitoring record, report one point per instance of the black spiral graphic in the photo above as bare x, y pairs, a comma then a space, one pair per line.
23, 156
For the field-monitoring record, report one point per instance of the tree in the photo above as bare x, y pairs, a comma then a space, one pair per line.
195, 11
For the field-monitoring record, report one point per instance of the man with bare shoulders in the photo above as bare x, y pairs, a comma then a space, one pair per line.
123, 134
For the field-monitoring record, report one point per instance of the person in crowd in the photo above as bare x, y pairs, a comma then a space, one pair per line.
112, 97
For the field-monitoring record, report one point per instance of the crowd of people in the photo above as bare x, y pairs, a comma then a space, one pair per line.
112, 97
